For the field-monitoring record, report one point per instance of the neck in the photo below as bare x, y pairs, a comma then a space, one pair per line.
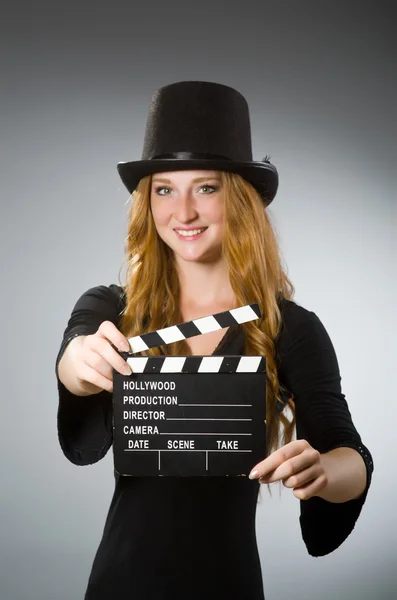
205, 284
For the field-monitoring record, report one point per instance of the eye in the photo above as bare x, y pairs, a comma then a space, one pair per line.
212, 187
158, 190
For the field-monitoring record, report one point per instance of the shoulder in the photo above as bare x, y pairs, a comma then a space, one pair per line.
300, 326
118, 293
102, 299
295, 315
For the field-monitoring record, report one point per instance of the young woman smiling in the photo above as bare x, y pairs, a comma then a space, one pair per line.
200, 241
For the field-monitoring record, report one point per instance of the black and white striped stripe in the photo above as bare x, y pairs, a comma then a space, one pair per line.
197, 364
175, 333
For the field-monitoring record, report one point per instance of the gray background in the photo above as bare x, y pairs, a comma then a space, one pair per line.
76, 81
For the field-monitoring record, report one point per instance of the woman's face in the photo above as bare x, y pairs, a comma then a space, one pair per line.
183, 201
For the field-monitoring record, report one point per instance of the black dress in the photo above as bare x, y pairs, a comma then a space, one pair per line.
174, 538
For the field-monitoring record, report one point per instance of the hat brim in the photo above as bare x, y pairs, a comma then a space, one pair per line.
262, 175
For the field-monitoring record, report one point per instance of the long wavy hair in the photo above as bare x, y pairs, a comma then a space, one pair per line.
251, 253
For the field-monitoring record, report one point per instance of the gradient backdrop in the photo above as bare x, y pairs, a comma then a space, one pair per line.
76, 82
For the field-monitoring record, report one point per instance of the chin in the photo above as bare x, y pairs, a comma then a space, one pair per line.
208, 256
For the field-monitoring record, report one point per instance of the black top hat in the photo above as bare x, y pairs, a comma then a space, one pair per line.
200, 125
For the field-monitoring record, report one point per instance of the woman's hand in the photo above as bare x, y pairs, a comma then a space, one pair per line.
94, 358
298, 465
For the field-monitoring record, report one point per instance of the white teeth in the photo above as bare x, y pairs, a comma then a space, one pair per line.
190, 233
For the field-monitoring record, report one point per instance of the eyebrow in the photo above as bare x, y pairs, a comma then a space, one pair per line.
154, 180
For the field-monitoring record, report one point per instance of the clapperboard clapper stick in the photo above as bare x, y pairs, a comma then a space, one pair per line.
190, 415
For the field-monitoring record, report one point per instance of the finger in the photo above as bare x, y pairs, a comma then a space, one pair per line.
311, 488
108, 330
303, 477
292, 466
103, 357
277, 458
87, 374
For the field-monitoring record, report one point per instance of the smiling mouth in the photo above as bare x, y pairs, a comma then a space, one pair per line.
192, 233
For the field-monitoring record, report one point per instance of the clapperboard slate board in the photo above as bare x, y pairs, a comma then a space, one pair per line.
190, 416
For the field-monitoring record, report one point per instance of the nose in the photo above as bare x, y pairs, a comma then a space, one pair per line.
185, 209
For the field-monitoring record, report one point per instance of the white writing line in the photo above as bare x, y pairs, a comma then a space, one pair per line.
174, 450
203, 434
214, 404
183, 419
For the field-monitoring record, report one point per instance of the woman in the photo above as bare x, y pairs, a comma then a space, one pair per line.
194, 537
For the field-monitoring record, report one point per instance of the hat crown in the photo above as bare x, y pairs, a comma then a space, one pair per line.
200, 117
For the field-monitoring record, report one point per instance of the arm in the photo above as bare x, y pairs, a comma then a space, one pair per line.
309, 368
85, 423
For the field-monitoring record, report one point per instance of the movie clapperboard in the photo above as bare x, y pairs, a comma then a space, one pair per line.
190, 415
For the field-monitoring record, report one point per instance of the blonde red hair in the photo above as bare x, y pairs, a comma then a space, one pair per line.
251, 252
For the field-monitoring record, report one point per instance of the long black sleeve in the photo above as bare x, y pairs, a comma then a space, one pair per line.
309, 368
85, 422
